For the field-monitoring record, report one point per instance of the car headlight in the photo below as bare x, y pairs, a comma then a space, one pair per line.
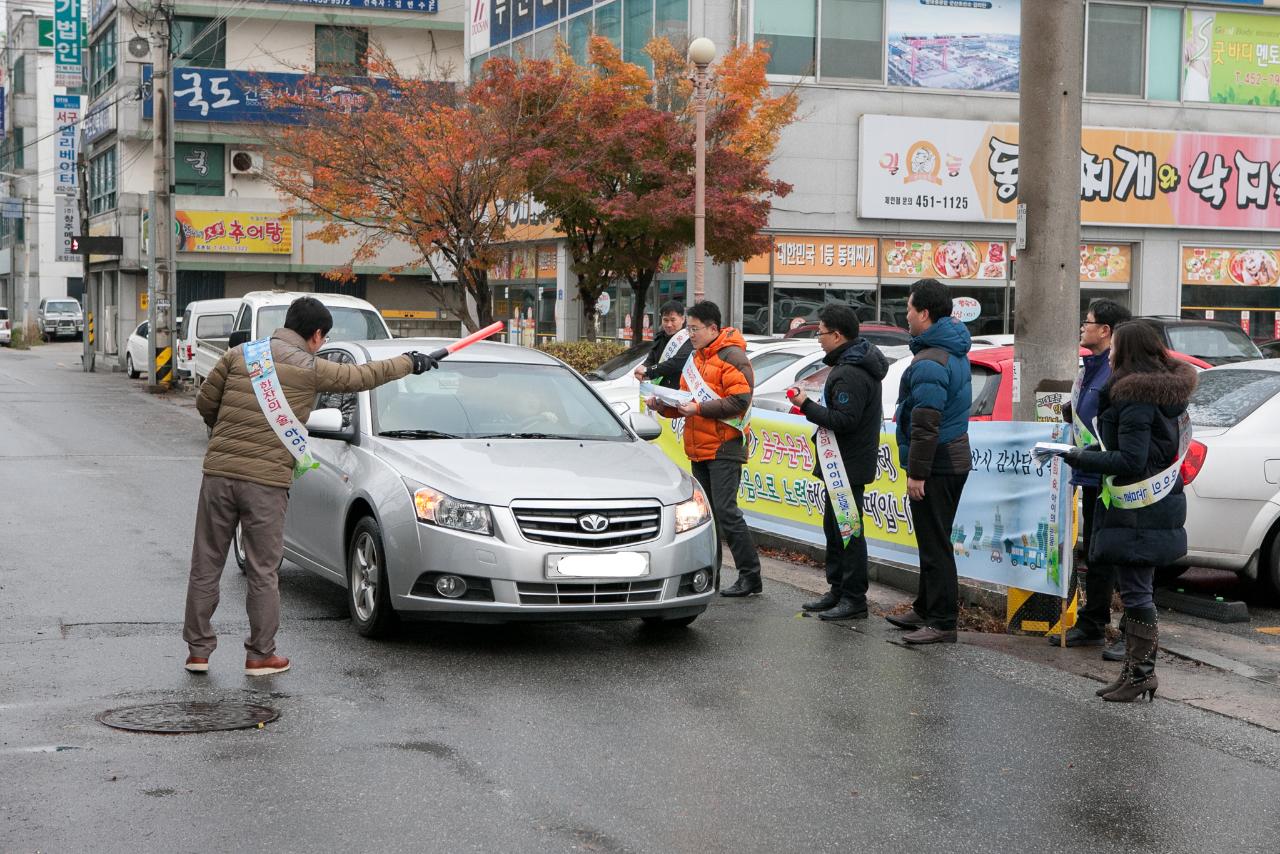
436, 508
693, 512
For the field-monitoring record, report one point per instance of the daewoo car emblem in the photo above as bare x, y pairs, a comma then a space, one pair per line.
593, 523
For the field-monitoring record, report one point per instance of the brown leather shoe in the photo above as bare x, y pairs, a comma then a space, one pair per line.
266, 666
909, 620
196, 664
928, 634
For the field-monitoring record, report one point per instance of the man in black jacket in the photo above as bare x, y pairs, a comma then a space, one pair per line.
847, 442
671, 349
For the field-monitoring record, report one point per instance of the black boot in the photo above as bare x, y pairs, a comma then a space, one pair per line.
845, 609
748, 584
1142, 639
827, 600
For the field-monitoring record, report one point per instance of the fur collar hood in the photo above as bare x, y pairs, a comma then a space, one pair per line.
1162, 388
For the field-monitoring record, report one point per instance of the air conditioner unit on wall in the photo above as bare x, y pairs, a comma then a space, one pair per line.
139, 47
245, 162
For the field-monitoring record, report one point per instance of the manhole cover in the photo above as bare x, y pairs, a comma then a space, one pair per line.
188, 717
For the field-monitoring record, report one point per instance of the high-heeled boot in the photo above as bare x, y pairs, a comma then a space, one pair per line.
1138, 679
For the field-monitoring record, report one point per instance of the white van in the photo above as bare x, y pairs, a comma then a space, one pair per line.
262, 312
207, 318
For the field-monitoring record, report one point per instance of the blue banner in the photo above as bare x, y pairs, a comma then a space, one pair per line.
99, 122
259, 97
3, 117
67, 24
429, 7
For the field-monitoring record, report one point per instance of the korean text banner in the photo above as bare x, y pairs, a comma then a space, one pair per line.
260, 97
817, 255
234, 231
67, 24
427, 6
954, 44
967, 171
1013, 526
66, 115
1231, 58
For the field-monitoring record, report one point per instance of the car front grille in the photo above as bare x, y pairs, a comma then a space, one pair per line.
560, 523
611, 593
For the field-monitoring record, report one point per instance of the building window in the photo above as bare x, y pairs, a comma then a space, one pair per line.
851, 38
1115, 50
342, 50
637, 32
1164, 54
790, 27
609, 22
19, 148
18, 77
198, 169
199, 42
102, 62
671, 19
102, 182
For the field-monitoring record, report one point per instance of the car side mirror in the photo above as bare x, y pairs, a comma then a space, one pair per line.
327, 424
645, 426
240, 336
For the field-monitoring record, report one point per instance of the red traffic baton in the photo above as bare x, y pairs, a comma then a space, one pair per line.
791, 395
469, 340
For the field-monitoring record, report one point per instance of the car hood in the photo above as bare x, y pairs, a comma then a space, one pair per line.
500, 471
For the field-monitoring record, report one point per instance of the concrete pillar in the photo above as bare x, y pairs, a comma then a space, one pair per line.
1052, 77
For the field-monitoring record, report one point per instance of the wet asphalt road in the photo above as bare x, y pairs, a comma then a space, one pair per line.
752, 731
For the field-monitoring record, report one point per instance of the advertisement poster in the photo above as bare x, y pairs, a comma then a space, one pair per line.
67, 36
1103, 262
1012, 527
67, 221
967, 171
954, 44
818, 255
1231, 58
945, 259
1215, 265
234, 231
260, 97
66, 115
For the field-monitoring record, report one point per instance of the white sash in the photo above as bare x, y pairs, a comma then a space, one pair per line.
1082, 434
275, 406
1148, 491
839, 492
674, 345
702, 393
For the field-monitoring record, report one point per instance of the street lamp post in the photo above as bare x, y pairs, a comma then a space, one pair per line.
701, 52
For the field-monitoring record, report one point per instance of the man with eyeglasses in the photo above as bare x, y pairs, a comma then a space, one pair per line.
720, 381
1092, 619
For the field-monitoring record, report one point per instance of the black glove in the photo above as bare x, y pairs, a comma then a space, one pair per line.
422, 362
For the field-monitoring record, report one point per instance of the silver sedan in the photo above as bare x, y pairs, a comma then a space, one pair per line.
496, 487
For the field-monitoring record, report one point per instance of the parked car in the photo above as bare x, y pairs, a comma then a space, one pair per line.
136, 361
262, 312
474, 492
876, 333
202, 319
1270, 349
60, 318
1232, 472
1213, 341
6, 333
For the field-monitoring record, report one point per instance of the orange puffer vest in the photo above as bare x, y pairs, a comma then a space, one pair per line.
724, 367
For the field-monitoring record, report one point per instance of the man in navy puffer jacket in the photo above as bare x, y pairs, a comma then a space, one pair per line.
934, 400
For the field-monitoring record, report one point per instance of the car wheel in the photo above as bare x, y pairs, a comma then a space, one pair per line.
368, 596
128, 367
670, 622
237, 551
1269, 572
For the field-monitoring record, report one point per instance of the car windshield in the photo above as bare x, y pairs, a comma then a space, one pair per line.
472, 400
621, 364
1215, 344
62, 305
1225, 398
349, 324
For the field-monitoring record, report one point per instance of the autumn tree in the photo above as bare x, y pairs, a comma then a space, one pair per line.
436, 166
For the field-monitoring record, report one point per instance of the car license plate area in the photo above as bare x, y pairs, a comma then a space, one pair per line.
612, 565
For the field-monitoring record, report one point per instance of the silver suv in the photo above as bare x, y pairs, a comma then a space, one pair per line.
497, 487
60, 318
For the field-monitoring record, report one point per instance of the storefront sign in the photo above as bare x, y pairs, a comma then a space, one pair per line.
1231, 58
261, 97
964, 171
954, 44
945, 259
429, 7
1013, 524
1213, 265
66, 114
817, 255
546, 262
478, 26
67, 223
234, 231
3, 117
1103, 262
67, 25
100, 122
966, 309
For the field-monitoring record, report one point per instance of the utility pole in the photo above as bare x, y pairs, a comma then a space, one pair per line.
90, 303
1051, 71
161, 273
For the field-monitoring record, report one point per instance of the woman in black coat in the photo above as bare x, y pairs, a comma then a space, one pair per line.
1139, 520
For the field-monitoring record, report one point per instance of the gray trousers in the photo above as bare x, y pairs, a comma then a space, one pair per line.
259, 510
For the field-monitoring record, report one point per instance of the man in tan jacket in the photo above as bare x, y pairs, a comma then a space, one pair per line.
248, 471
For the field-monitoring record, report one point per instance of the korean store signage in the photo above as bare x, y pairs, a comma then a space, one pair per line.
261, 97
945, 259
1231, 58
496, 22
100, 122
66, 114
1216, 265
965, 171
234, 231
67, 225
428, 6
818, 255
67, 23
